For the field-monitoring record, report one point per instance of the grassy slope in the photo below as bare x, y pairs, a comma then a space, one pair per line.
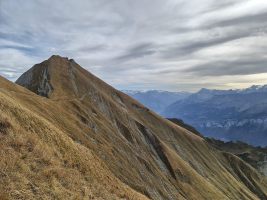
121, 138
255, 156
39, 161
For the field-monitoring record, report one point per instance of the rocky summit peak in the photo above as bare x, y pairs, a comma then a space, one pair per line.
61, 78
56, 77
58, 58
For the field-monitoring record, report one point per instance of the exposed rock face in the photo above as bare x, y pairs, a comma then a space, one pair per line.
26, 78
45, 87
37, 83
100, 143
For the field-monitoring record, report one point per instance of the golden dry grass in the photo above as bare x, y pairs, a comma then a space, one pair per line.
98, 143
39, 161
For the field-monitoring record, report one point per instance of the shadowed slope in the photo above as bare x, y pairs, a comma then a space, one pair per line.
255, 156
149, 154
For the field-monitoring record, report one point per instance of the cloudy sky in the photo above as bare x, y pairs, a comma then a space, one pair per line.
141, 44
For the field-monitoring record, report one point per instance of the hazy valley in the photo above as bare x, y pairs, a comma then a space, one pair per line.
228, 115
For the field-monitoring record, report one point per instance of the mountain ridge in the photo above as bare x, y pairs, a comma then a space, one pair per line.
106, 139
255, 156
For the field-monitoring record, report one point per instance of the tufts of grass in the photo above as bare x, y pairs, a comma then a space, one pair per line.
4, 126
4, 195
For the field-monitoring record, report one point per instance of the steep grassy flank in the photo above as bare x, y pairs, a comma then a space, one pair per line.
255, 156
39, 161
92, 130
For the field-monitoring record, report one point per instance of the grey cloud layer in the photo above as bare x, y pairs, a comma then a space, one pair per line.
140, 50
238, 67
140, 44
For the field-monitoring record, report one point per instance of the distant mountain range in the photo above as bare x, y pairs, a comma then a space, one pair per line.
157, 100
228, 115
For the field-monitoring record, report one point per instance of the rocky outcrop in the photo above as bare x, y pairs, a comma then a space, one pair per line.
45, 88
37, 79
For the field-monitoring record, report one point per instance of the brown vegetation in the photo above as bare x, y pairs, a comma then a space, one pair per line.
89, 141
